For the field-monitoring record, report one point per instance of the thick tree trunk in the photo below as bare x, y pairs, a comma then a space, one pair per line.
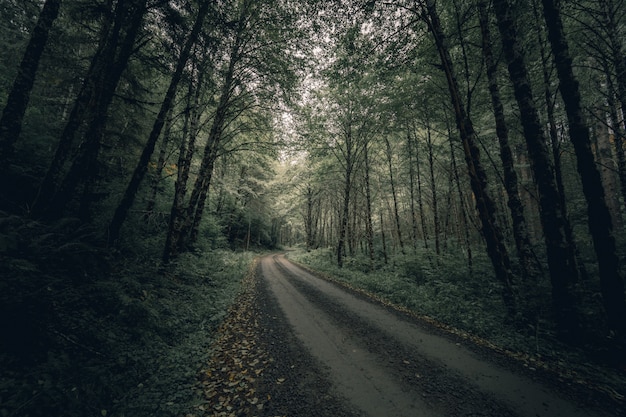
530, 267
420, 197
194, 229
140, 170
308, 217
491, 231
383, 237
610, 10
19, 96
599, 217
185, 155
562, 265
160, 166
618, 132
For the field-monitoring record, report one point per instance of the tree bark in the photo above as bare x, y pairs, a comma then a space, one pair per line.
396, 213
530, 267
81, 113
409, 147
464, 215
140, 170
599, 217
562, 266
19, 96
107, 76
343, 225
433, 188
496, 249
369, 228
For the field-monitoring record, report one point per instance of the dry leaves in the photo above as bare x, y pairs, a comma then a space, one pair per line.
229, 382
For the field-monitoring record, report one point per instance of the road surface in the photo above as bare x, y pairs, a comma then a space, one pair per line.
350, 356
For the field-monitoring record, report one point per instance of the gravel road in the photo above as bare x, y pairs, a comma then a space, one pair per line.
335, 353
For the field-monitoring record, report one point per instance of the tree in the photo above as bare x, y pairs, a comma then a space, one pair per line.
531, 269
17, 102
599, 217
118, 34
561, 263
491, 231
140, 170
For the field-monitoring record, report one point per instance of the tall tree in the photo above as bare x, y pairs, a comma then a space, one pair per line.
531, 269
599, 217
127, 26
492, 233
118, 31
561, 263
140, 170
17, 102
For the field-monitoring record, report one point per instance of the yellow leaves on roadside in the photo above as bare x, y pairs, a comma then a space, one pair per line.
229, 383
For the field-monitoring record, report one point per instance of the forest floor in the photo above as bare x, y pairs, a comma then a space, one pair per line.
295, 344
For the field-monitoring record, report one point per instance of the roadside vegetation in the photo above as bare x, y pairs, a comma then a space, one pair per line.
470, 306
91, 332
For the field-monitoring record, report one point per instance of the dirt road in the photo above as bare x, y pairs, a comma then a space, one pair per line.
342, 354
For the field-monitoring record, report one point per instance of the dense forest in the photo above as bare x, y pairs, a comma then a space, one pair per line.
464, 159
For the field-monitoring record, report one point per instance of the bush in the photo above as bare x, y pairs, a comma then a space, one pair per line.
84, 331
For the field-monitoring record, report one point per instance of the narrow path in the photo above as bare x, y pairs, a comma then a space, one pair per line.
377, 363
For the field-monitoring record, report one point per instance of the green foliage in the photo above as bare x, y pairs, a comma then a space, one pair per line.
84, 332
443, 290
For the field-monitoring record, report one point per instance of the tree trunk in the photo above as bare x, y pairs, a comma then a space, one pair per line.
343, 226
599, 217
185, 156
396, 214
562, 265
160, 165
465, 223
81, 112
127, 26
491, 231
618, 131
530, 267
433, 188
383, 237
409, 147
618, 59
140, 170
19, 96
420, 197
369, 228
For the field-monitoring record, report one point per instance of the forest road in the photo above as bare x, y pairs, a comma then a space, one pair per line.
376, 362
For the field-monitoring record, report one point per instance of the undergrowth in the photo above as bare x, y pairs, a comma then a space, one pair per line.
471, 303
88, 333
442, 291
